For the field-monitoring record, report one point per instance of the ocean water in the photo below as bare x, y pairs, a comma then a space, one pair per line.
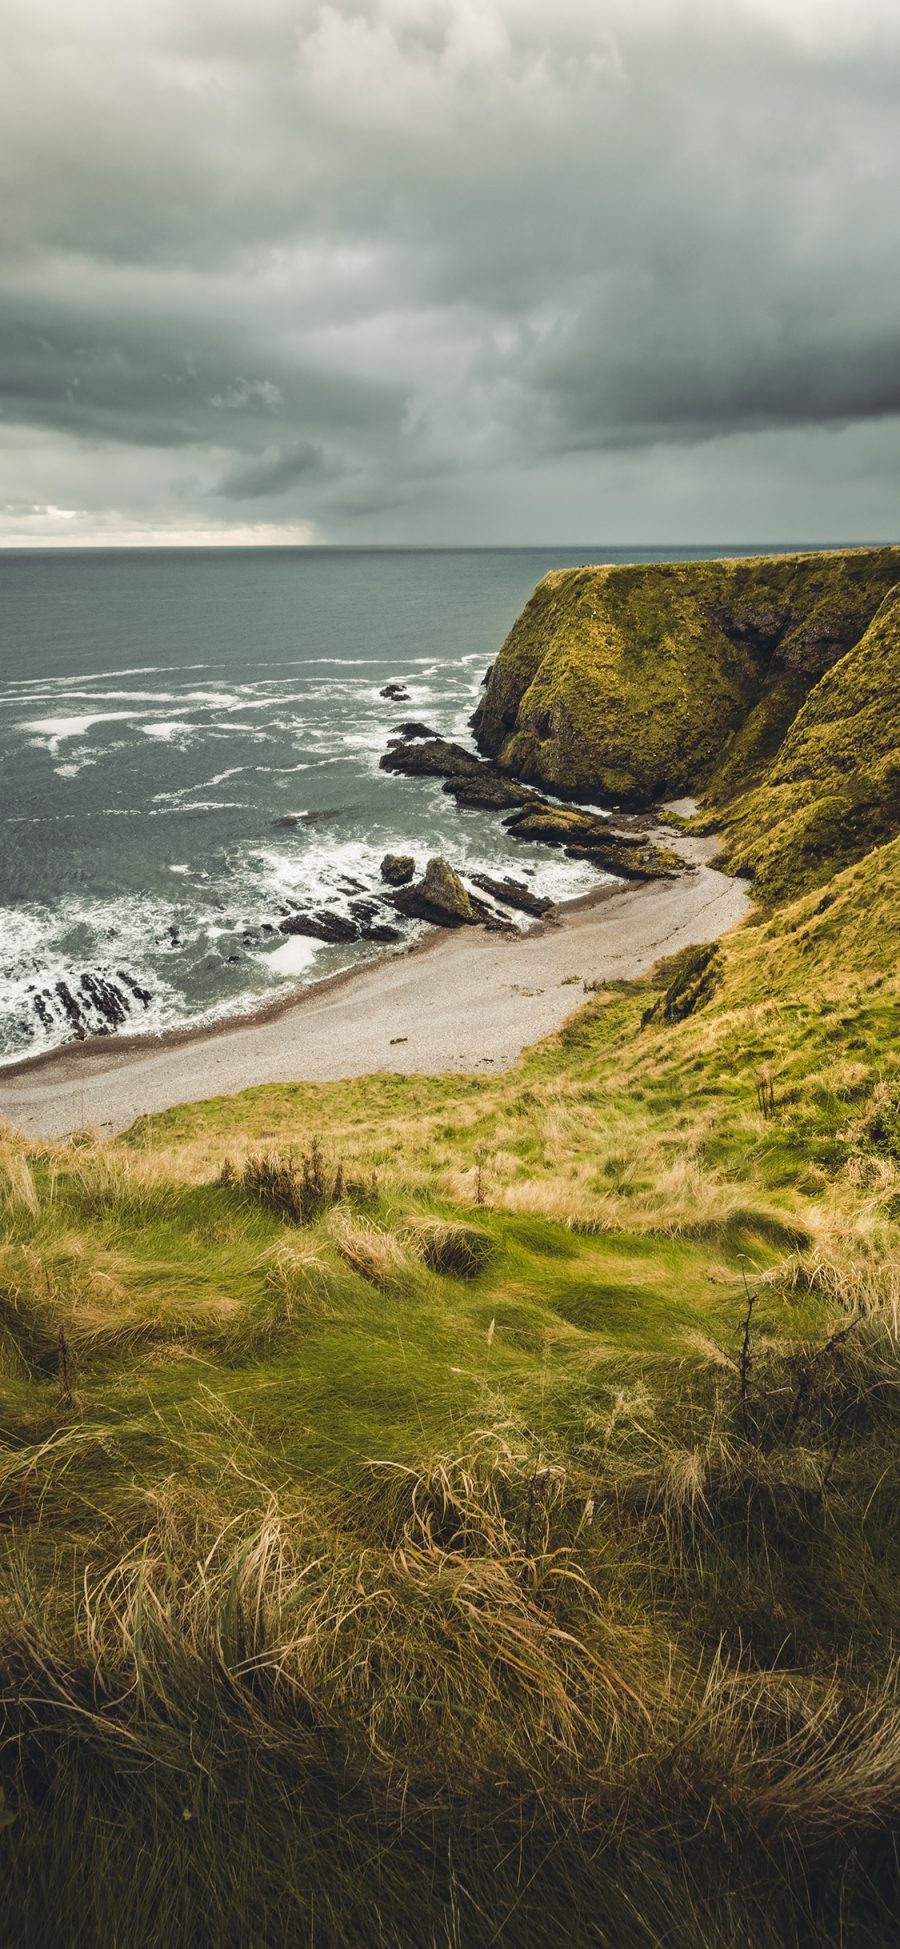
189, 743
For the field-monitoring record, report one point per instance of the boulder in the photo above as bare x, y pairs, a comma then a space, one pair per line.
431, 758
397, 693
381, 932
397, 869
486, 790
439, 897
410, 729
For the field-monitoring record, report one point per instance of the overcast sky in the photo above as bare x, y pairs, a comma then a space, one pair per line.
450, 270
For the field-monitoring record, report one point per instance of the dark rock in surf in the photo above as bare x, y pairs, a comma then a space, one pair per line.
410, 729
472, 781
339, 931
397, 869
439, 897
333, 928
514, 893
430, 758
487, 791
397, 693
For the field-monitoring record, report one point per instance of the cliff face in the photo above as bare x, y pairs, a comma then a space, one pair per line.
832, 790
631, 684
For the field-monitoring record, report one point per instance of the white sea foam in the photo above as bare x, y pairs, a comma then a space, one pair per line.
295, 955
55, 729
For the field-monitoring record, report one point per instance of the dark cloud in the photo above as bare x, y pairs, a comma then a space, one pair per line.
450, 268
274, 472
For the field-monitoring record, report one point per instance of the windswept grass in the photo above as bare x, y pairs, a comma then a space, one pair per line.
506, 1551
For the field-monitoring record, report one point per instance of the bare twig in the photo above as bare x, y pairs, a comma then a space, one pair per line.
745, 1365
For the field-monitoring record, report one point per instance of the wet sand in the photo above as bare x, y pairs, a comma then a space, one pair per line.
463, 1001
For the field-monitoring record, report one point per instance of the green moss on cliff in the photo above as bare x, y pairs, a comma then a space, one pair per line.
832, 790
636, 682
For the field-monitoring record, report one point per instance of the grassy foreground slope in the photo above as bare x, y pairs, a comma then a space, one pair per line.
486, 1530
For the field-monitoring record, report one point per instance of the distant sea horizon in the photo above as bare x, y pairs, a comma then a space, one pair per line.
189, 747
611, 552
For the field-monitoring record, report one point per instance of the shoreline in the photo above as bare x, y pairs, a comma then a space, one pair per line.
463, 1001
95, 1048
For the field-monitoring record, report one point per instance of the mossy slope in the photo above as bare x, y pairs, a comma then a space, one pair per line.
833, 788
634, 683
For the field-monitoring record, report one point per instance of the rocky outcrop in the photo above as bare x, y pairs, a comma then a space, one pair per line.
430, 757
337, 929
397, 869
632, 684
439, 897
585, 835
466, 777
91, 1003
397, 693
515, 894
324, 926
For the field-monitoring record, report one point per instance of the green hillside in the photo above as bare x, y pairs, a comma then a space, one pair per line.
498, 1544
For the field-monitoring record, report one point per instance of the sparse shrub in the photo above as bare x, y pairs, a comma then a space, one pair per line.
298, 1189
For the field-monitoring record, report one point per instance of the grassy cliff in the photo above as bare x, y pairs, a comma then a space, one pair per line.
832, 790
638, 683
464, 1511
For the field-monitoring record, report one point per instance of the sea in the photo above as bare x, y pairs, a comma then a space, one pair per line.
189, 754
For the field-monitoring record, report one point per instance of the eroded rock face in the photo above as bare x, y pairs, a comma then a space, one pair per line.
397, 869
439, 897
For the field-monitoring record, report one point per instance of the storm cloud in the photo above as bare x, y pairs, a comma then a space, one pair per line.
450, 270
